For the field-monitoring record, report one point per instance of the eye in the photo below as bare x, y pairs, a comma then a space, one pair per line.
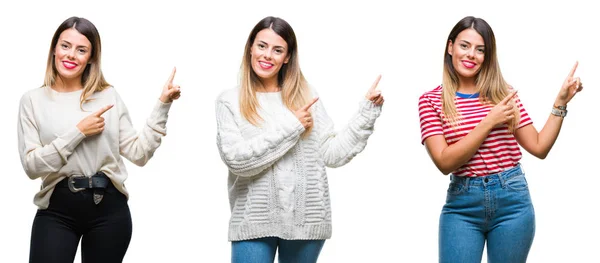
64, 46
260, 45
279, 51
81, 51
480, 50
463, 46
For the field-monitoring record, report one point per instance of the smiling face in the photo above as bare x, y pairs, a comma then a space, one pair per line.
71, 54
468, 53
269, 52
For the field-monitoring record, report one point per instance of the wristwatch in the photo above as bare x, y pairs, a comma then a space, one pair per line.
559, 112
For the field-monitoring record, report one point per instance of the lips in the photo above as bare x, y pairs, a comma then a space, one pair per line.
69, 64
265, 65
468, 64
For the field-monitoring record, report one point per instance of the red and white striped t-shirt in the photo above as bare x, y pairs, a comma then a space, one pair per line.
498, 152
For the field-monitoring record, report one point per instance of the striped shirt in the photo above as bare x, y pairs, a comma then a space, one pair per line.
498, 152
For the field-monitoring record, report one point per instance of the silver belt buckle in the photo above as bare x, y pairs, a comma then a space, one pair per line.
71, 183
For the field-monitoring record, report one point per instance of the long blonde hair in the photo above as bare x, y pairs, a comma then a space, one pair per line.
489, 81
92, 78
295, 91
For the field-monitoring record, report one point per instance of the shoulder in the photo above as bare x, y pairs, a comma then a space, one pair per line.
229, 96
432, 94
34, 93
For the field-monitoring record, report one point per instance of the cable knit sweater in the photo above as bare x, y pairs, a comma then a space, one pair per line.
277, 180
51, 146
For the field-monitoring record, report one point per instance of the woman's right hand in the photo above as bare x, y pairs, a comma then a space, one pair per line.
502, 112
303, 114
93, 123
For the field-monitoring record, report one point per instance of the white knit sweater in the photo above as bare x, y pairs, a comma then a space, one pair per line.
277, 180
52, 148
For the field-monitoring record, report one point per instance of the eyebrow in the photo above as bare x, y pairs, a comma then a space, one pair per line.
72, 44
263, 42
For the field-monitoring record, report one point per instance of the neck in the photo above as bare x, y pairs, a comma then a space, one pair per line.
269, 85
467, 86
67, 85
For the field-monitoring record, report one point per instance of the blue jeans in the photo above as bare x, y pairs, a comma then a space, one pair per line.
262, 250
496, 208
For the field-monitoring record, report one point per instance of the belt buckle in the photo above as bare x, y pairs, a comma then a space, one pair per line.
71, 183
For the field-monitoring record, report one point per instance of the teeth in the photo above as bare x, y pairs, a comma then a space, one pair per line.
266, 64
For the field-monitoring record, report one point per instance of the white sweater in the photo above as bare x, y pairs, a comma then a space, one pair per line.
277, 181
52, 148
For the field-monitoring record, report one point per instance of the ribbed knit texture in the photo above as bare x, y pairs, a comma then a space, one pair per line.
52, 148
277, 180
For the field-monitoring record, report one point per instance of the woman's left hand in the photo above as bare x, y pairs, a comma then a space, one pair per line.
170, 91
374, 94
570, 87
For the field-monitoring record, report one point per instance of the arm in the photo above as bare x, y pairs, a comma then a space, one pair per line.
449, 158
140, 147
446, 157
248, 157
39, 160
539, 144
338, 148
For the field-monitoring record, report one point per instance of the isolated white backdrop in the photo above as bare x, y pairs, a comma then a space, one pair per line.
386, 202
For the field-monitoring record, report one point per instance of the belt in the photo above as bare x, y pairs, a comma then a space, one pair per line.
97, 182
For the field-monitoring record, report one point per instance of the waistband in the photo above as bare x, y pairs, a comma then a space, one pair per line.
491, 179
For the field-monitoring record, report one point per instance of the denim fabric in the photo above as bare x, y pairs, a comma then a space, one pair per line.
262, 250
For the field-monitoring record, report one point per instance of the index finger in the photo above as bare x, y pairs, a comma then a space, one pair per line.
573, 69
307, 106
374, 86
170, 80
508, 97
102, 110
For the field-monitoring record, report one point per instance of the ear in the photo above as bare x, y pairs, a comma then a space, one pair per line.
450, 47
287, 59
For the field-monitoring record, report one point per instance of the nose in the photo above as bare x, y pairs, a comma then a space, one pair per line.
71, 53
268, 54
471, 53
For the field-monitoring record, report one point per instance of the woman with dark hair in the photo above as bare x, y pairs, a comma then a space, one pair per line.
472, 126
72, 133
276, 139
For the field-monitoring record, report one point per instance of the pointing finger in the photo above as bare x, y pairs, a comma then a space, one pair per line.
573, 69
307, 106
508, 97
170, 80
102, 110
374, 86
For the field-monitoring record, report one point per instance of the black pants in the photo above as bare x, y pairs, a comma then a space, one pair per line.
105, 229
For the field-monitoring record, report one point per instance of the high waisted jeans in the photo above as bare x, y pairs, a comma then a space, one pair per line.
495, 208
262, 250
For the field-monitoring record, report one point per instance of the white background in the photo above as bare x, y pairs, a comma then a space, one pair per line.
386, 202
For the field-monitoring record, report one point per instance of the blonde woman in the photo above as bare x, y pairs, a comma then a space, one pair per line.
276, 139
472, 126
72, 133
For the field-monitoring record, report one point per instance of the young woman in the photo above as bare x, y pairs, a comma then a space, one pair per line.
472, 126
276, 139
72, 132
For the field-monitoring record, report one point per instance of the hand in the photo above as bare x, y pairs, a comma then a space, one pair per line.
93, 123
170, 92
374, 94
503, 111
570, 87
304, 115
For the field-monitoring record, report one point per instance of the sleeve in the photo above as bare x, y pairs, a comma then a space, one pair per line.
431, 121
524, 119
39, 160
339, 147
139, 147
248, 157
